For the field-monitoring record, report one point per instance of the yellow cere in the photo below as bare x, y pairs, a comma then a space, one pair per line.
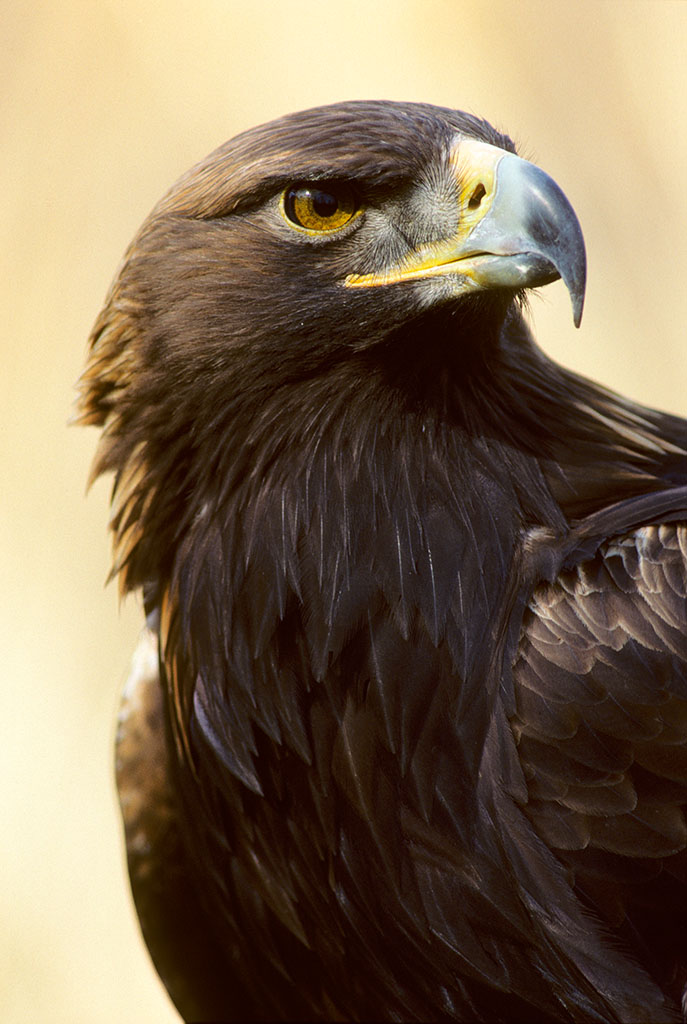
474, 165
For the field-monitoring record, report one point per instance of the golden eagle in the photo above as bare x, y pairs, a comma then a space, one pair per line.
410, 742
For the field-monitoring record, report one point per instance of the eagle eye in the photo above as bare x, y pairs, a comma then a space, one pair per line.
319, 206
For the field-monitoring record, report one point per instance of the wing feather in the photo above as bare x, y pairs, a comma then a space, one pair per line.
178, 936
601, 727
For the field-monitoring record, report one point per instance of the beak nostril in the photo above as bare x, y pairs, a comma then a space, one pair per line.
477, 196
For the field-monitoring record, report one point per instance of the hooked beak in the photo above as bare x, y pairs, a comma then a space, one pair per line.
516, 229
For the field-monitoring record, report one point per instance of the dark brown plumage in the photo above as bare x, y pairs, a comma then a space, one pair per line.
416, 747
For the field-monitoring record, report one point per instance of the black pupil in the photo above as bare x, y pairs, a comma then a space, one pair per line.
324, 203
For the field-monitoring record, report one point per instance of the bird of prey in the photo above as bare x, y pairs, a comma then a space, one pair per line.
407, 735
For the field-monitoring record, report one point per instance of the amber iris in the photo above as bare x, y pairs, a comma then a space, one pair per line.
320, 207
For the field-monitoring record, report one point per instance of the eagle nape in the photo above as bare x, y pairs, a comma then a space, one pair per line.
406, 735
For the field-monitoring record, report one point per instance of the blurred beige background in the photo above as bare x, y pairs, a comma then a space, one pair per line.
102, 105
